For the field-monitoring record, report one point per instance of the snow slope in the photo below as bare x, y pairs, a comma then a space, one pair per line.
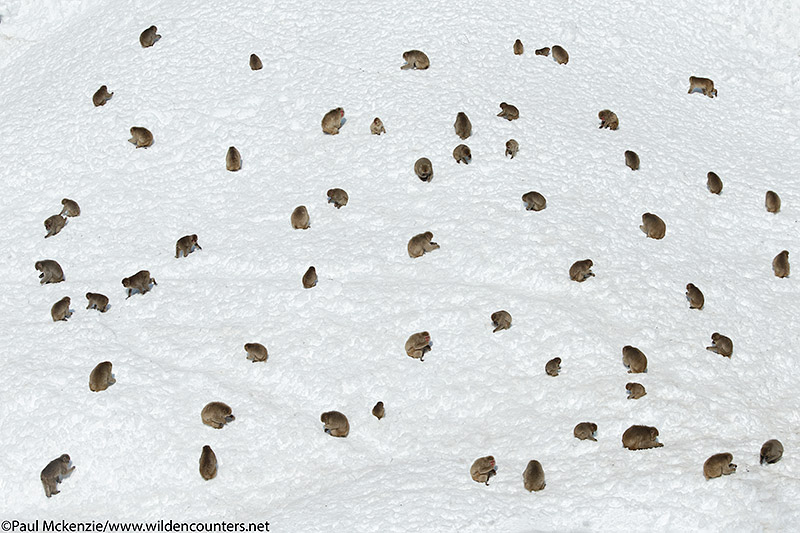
340, 345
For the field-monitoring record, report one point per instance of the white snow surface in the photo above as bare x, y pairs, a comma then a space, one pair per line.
340, 345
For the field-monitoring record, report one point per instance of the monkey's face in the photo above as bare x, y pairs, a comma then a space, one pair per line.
65, 459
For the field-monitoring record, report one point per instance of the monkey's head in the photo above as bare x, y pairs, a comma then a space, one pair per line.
38, 265
653, 433
426, 336
715, 337
628, 386
689, 286
785, 254
376, 121
194, 239
428, 235
64, 459
490, 461
206, 448
594, 427
65, 200
589, 263
126, 282
153, 29
66, 299
341, 111
557, 360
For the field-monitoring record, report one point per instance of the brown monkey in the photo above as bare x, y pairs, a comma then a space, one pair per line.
721, 344
376, 128
483, 469
53, 473
705, 84
533, 476
653, 226
255, 62
501, 319
233, 159
97, 301
423, 168
462, 153
149, 37
608, 119
780, 265
256, 352
635, 390
518, 48
332, 121
560, 55
632, 159
509, 112
101, 96
310, 278
695, 297
553, 367
53, 224
418, 345
580, 271
337, 197
773, 202
50, 271
208, 460
714, 184
336, 424
718, 465
420, 244
70, 209
216, 415
378, 411
300, 218
60, 310
634, 359
186, 245
101, 377
640, 438
512, 147
415, 59
585, 431
141, 137
771, 451
544, 52
462, 125
140, 281
534, 201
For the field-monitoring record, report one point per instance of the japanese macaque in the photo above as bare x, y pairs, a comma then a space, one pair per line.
640, 438
718, 465
653, 226
632, 159
233, 159
97, 301
553, 367
509, 112
310, 278
376, 128
704, 84
216, 415
420, 244
378, 411
695, 297
635, 390
208, 459
608, 119
581, 270
560, 55
714, 183
545, 52
50, 271
780, 265
149, 37
533, 476
300, 218
256, 352
773, 202
185, 245
518, 48
462, 153
415, 59
512, 147
423, 168
141, 137
418, 345
721, 344
53, 224
585, 431
462, 125
337, 197
101, 96
501, 319
332, 121
483, 469
634, 359
60, 310
101, 377
534, 201
70, 209
771, 451
336, 424
53, 473
255, 62
140, 281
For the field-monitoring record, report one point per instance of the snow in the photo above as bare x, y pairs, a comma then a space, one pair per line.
339, 345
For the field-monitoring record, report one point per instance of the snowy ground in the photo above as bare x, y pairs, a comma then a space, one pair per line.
340, 345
